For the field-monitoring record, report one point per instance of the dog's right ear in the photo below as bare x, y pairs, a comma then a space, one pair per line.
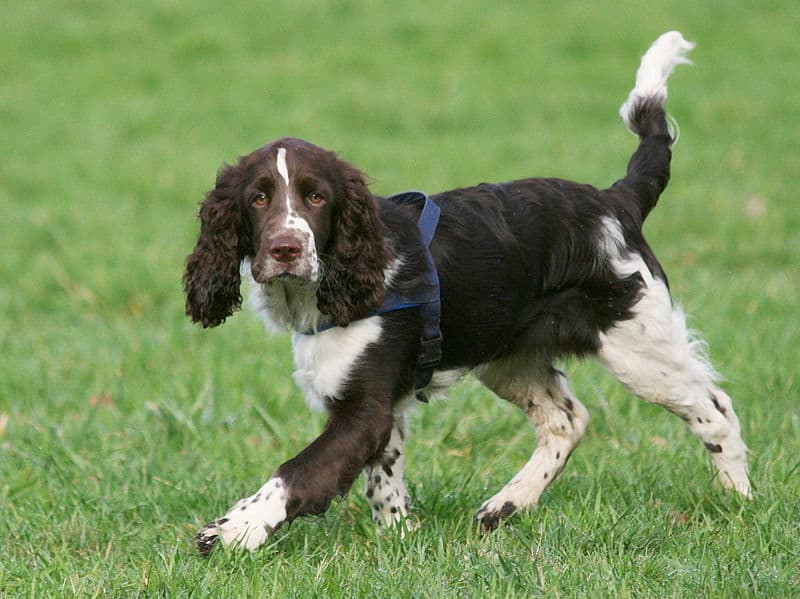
212, 279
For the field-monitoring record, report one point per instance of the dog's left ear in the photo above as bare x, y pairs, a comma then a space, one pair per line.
212, 279
353, 282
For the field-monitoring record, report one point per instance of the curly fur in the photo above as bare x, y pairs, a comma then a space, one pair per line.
356, 256
212, 279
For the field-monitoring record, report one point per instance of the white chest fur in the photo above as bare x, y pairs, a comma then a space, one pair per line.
324, 361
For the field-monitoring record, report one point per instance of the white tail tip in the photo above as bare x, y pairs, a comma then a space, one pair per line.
658, 63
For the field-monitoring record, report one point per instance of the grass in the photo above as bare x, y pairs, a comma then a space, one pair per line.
123, 428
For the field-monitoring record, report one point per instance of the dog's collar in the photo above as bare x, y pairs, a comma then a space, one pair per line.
426, 296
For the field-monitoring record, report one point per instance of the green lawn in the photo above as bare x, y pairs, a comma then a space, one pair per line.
123, 427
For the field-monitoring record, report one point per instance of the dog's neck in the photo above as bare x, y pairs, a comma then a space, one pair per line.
291, 304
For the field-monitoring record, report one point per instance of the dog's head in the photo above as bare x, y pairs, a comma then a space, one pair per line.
301, 215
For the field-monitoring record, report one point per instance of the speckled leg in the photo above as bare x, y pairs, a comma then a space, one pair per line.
560, 422
385, 488
657, 358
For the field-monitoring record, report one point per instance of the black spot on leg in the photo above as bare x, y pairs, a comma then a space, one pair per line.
370, 493
377, 479
387, 469
545, 475
393, 510
719, 408
714, 447
507, 509
558, 454
490, 520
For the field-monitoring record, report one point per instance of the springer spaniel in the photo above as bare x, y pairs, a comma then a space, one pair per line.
530, 271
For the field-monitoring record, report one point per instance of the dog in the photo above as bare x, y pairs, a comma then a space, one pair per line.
516, 276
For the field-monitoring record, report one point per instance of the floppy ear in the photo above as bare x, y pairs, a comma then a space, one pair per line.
211, 280
353, 283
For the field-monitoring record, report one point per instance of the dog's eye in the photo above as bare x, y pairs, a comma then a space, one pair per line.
315, 198
259, 200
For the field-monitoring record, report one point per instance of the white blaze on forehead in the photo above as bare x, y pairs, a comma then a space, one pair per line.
294, 220
283, 170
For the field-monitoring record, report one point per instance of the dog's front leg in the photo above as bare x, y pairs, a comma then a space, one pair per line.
356, 430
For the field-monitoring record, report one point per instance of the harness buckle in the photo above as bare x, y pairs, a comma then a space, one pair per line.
430, 352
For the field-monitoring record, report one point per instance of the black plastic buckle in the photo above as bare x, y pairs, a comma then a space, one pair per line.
430, 353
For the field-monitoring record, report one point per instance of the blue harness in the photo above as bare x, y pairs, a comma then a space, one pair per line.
426, 296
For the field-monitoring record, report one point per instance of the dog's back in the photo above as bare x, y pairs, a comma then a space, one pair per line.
523, 265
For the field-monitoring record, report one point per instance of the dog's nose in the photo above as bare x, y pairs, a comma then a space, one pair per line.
285, 249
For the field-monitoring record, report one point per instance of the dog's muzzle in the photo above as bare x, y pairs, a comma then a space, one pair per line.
287, 255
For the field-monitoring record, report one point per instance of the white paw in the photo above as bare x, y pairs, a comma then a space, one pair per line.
390, 509
250, 522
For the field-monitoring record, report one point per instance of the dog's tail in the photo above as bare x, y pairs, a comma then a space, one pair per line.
643, 113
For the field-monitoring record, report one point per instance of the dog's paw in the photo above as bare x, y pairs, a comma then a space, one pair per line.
492, 512
389, 509
237, 534
249, 523
207, 537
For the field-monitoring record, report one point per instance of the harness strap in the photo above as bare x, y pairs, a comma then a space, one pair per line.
428, 298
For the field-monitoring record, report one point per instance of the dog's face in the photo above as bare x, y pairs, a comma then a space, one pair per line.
303, 217
288, 195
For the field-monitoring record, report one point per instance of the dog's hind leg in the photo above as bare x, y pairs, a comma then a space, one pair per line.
560, 422
655, 356
383, 477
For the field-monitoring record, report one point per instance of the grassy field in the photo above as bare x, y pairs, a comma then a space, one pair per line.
123, 427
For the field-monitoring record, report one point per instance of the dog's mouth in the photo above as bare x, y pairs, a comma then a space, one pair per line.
288, 276
294, 272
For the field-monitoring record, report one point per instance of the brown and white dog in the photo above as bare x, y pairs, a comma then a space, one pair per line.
530, 271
